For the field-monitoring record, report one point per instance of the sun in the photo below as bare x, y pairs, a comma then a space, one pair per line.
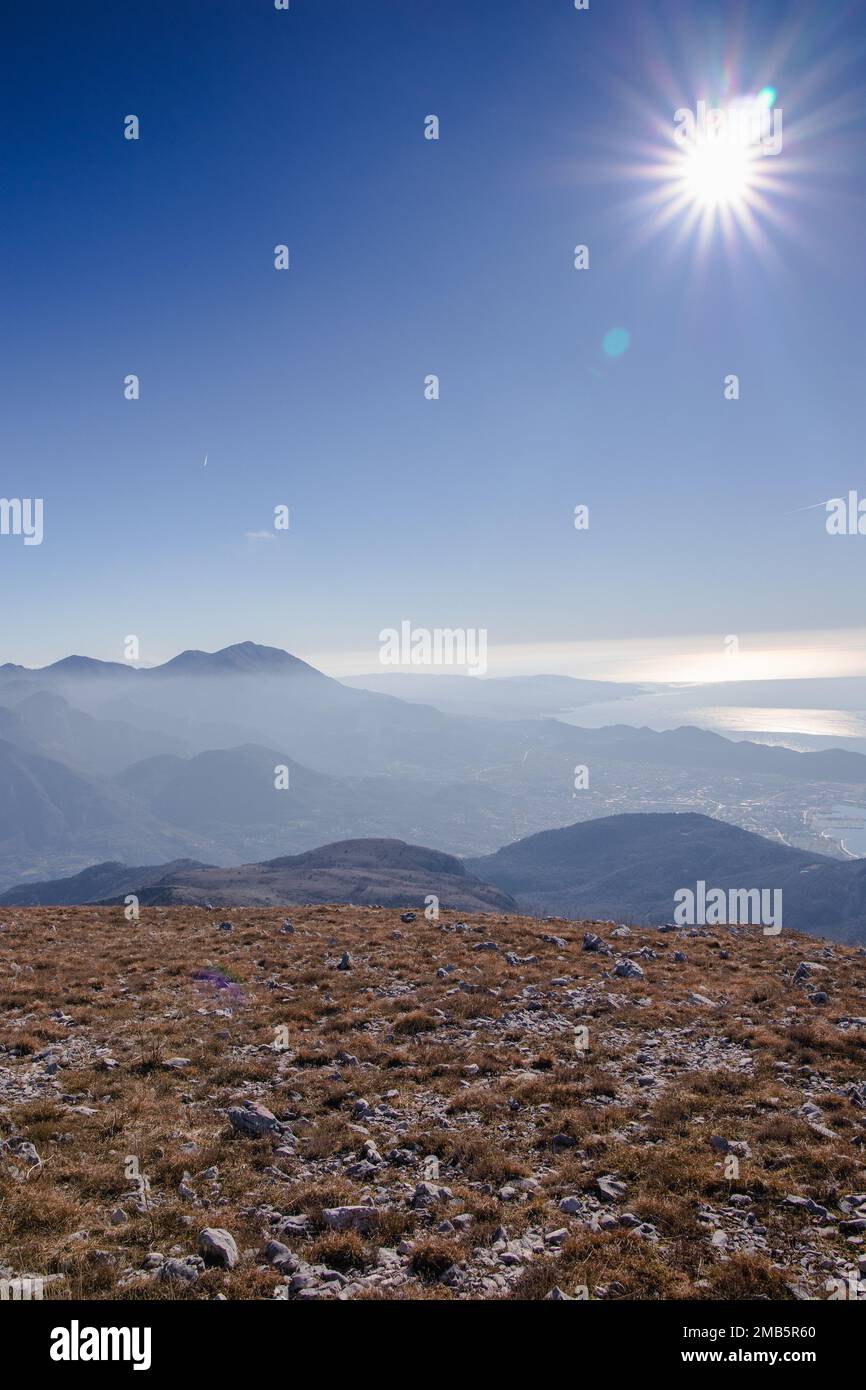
716, 171
720, 152
722, 175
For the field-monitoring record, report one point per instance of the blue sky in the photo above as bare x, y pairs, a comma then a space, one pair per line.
411, 257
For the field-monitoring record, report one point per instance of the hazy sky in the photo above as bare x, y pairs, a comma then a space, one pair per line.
409, 257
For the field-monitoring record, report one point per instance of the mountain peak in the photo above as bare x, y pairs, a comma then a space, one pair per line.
84, 666
243, 658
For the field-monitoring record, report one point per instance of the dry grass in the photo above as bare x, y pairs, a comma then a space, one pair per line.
476, 1069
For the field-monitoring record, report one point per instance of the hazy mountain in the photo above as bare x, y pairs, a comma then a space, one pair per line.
185, 732
629, 867
83, 667
228, 798
512, 697
387, 872
43, 800
100, 881
178, 761
233, 786
14, 730
699, 748
330, 727
318, 721
95, 745
56, 819
242, 659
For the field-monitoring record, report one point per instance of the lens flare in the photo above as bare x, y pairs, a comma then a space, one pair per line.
615, 342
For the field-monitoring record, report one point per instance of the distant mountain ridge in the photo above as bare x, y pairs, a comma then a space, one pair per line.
106, 762
621, 868
630, 867
242, 658
387, 872
395, 730
511, 697
98, 883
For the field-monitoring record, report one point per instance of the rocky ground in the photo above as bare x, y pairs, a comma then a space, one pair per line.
359, 1103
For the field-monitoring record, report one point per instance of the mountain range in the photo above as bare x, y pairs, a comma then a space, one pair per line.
622, 868
249, 754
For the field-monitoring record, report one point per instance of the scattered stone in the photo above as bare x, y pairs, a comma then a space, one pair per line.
807, 968
357, 1218
217, 1247
253, 1119
807, 1203
181, 1271
23, 1150
428, 1193
628, 970
276, 1253
644, 1230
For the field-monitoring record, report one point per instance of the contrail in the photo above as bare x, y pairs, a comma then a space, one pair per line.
813, 505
